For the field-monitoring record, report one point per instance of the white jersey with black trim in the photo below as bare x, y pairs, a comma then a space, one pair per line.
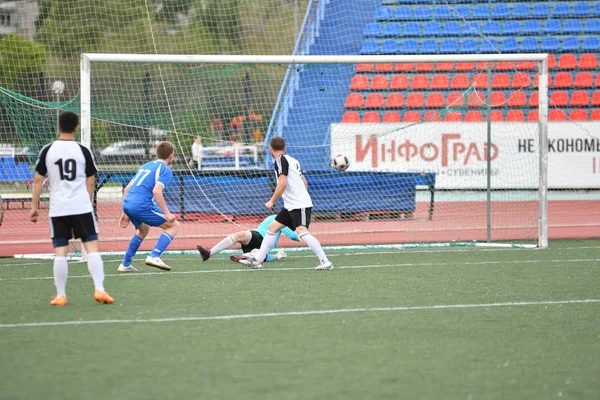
68, 164
295, 195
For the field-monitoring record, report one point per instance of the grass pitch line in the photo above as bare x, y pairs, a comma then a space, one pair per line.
302, 313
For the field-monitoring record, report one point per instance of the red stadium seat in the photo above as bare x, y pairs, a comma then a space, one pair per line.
432, 116
460, 81
557, 115
364, 68
521, 80
597, 81
354, 100
444, 67
399, 82
440, 81
476, 99
391, 116
580, 98
483, 66
465, 66
350, 117
455, 99
412, 116
536, 80
501, 81
453, 117
551, 61
497, 116
359, 82
424, 67
584, 79
534, 99
473, 116
374, 100
517, 99
371, 117
525, 65
588, 61
480, 81
559, 99
533, 116
498, 99
578, 115
515, 115
394, 100
505, 66
596, 99
379, 82
404, 67
567, 61
419, 82
415, 100
563, 80
595, 115
384, 67
435, 100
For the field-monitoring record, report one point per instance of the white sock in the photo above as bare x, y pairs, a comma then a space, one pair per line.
267, 243
315, 246
222, 245
61, 272
96, 268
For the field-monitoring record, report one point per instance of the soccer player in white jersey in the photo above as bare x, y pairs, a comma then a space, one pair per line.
297, 206
144, 205
71, 174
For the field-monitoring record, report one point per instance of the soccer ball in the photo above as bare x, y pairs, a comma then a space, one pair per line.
340, 162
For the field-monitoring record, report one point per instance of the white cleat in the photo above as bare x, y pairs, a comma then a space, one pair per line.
252, 263
157, 263
281, 254
123, 269
325, 266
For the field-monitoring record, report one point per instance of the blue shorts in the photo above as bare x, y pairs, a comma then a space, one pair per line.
152, 217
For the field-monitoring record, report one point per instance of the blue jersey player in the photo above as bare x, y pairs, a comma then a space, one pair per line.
250, 241
144, 205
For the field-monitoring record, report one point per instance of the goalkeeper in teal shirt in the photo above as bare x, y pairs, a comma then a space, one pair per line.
250, 241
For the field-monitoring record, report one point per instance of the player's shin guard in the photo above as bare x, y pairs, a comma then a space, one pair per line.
134, 245
222, 245
61, 272
267, 243
163, 242
96, 269
315, 246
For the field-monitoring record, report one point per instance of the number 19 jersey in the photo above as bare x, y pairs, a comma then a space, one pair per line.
140, 194
68, 164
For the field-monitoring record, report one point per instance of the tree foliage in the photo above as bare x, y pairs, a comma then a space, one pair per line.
21, 62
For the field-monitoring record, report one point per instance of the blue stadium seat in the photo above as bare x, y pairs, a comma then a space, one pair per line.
552, 27
411, 29
452, 28
403, 13
390, 46
520, 11
581, 9
369, 47
572, 26
23, 172
509, 45
570, 44
481, 11
592, 26
489, 46
491, 28
423, 12
471, 28
529, 45
501, 11
391, 29
432, 28
531, 27
384, 14
429, 46
596, 11
409, 47
443, 12
468, 46
590, 43
462, 12
449, 46
561, 10
540, 10
372, 29
550, 43
511, 28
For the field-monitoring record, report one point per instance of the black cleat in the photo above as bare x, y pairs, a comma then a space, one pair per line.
203, 252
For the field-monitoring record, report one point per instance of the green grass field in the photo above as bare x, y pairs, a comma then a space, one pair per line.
455, 323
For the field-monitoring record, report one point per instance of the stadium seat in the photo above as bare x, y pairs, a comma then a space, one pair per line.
491, 28
424, 67
384, 14
501, 81
534, 99
440, 81
591, 43
517, 99
536, 80
451, 28
520, 11
550, 43
515, 116
480, 81
596, 10
505, 66
531, 27
372, 29
581, 9
579, 98
384, 67
597, 81
567, 61
529, 44
432, 116
578, 115
512, 28
419, 82
359, 82
476, 99
415, 100
369, 47
379, 82
410, 29
533, 116
592, 26
412, 116
465, 66
509, 45
394, 100
588, 61
481, 11
489, 46
497, 116
399, 82
539, 10
393, 29
595, 115
453, 117
584, 79
471, 28
552, 27
364, 68
354, 100
563, 80
570, 44
423, 13
374, 100
501, 11
391, 116
435, 100
442, 12
525, 65
561, 10
596, 99
404, 67
390, 46
559, 99
468, 46
350, 117
484, 66
521, 80
444, 67
473, 116
409, 47
498, 99
557, 115
462, 12
460, 81
429, 46
455, 99
572, 27
371, 117
449, 46
551, 61
403, 13
432, 28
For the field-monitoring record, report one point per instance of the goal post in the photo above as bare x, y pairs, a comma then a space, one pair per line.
399, 170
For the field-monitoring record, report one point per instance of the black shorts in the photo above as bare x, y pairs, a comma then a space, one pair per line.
254, 242
64, 228
295, 218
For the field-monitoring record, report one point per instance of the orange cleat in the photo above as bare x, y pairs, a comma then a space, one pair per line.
102, 297
58, 301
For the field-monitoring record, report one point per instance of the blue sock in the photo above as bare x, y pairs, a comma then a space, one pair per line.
163, 242
134, 245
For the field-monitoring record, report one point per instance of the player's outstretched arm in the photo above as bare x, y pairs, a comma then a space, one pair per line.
38, 181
